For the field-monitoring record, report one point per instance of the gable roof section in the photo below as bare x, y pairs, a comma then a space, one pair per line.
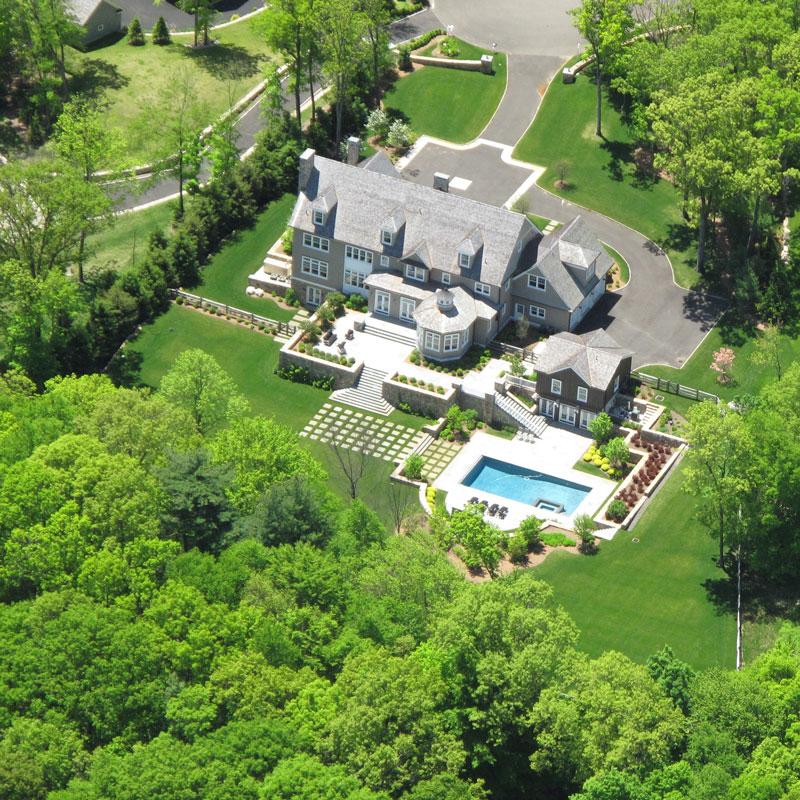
83, 9
439, 219
394, 221
379, 162
594, 357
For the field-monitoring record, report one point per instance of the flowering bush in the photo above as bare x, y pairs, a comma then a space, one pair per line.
723, 361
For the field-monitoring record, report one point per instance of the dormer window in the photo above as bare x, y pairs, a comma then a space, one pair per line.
319, 217
464, 260
387, 237
446, 278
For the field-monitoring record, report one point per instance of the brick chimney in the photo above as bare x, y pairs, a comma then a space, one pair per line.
306, 168
441, 181
353, 150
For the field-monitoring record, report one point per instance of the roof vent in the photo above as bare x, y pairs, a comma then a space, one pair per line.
441, 181
444, 300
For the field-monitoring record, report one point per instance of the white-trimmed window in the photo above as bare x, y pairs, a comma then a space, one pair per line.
407, 307
382, 301
537, 312
357, 254
616, 382
555, 386
384, 261
311, 266
432, 341
451, 342
354, 278
519, 310
483, 288
415, 273
464, 338
507, 285
319, 217
387, 237
537, 282
583, 394
446, 278
464, 260
316, 242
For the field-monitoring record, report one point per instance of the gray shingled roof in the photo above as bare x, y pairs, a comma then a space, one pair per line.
83, 9
392, 282
379, 162
439, 219
576, 244
457, 318
594, 356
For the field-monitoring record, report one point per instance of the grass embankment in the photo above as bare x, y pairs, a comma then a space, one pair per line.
636, 597
129, 76
602, 174
451, 104
249, 357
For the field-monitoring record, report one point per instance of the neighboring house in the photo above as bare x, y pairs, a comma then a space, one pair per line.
577, 377
454, 269
99, 17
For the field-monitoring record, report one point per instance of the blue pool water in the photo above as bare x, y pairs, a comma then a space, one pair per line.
525, 485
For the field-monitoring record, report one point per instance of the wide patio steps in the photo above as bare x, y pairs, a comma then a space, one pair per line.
367, 394
391, 332
652, 413
532, 423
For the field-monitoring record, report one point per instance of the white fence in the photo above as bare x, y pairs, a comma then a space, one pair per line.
662, 384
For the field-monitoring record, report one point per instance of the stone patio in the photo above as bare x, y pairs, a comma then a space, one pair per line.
359, 431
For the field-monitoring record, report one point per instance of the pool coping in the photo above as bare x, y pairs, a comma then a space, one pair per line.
527, 456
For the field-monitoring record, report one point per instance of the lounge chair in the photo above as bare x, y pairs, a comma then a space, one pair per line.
341, 347
349, 334
493, 509
502, 512
329, 337
473, 500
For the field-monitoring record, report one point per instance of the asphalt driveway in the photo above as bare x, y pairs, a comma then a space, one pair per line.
176, 19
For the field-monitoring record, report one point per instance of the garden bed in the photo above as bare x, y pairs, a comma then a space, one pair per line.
474, 360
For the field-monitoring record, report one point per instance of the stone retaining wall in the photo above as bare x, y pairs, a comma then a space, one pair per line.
343, 377
484, 65
429, 403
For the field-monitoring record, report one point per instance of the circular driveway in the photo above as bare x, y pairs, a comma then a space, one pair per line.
521, 27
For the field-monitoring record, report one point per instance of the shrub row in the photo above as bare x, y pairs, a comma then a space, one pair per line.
474, 359
406, 409
419, 383
298, 374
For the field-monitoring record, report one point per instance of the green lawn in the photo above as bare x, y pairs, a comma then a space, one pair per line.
602, 174
637, 597
130, 75
249, 358
124, 245
224, 278
747, 379
624, 270
449, 104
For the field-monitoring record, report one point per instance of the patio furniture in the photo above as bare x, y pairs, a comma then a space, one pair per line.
349, 334
329, 337
359, 325
341, 347
493, 508
502, 512
473, 500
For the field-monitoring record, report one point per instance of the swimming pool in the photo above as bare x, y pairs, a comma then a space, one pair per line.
526, 485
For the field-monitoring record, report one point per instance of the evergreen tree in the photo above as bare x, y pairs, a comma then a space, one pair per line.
160, 32
135, 33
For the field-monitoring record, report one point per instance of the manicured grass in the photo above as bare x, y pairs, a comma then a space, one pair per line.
637, 597
131, 75
590, 469
747, 379
624, 269
602, 174
249, 358
124, 245
449, 104
224, 278
540, 222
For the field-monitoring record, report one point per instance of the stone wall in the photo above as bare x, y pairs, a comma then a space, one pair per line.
484, 65
429, 403
343, 377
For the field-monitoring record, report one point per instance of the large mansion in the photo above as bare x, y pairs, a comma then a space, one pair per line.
455, 269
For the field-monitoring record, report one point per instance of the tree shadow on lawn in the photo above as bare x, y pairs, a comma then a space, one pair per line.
764, 597
227, 61
621, 154
95, 77
735, 330
125, 369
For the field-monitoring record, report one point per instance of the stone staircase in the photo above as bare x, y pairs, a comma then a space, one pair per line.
367, 394
393, 333
532, 423
651, 414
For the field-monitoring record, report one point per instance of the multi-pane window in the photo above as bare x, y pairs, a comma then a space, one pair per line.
432, 340
555, 386
382, 300
464, 338
451, 342
507, 285
310, 266
616, 382
464, 260
316, 242
583, 394
386, 237
537, 312
537, 282
415, 273
384, 261
446, 278
483, 288
354, 278
358, 254
319, 217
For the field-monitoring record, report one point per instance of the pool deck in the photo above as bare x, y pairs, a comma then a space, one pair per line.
554, 454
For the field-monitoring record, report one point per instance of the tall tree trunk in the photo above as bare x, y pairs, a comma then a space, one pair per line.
311, 83
751, 239
196, 20
180, 181
297, 69
721, 563
701, 238
81, 245
599, 130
